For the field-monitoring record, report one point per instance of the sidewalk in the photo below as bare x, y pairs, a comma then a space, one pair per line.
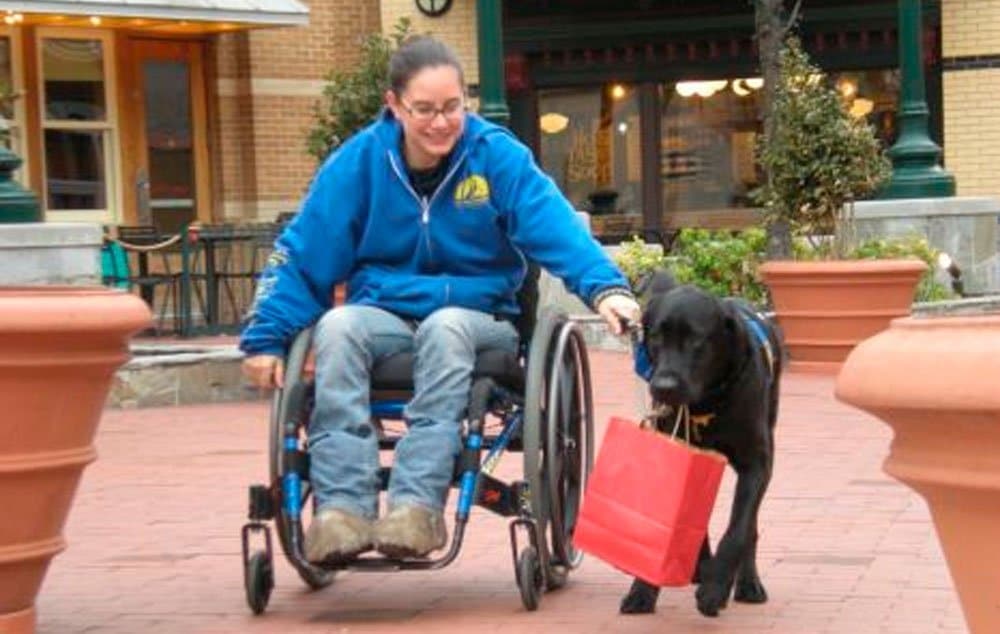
154, 541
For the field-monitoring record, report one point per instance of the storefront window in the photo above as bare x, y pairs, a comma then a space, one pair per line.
708, 130
76, 123
590, 145
873, 94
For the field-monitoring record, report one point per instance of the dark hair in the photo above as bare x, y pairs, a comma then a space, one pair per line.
414, 55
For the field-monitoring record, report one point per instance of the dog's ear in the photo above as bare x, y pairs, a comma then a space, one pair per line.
731, 317
657, 282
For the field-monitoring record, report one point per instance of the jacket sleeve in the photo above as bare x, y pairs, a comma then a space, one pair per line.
313, 253
544, 225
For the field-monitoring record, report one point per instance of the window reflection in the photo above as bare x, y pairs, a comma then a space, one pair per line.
74, 162
708, 132
873, 94
74, 79
590, 145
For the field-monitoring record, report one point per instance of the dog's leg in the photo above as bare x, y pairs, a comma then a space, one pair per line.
641, 598
704, 556
718, 574
749, 588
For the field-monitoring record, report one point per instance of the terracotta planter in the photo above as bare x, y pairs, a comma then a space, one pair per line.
826, 307
59, 347
934, 381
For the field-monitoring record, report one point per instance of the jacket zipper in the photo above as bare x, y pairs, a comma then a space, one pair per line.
425, 204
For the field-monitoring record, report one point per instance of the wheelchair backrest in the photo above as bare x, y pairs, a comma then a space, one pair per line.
527, 301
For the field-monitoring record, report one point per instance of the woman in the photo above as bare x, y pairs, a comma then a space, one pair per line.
429, 215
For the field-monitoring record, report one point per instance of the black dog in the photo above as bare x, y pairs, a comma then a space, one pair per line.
724, 362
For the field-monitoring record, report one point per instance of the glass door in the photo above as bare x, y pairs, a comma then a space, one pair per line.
170, 178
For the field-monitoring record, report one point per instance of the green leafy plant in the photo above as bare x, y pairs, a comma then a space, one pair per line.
635, 259
929, 289
817, 158
352, 98
723, 263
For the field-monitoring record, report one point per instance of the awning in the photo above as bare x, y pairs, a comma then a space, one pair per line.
249, 12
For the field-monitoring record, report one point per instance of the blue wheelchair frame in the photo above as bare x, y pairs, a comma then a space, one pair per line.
551, 423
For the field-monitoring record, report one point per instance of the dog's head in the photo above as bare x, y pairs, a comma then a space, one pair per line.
689, 337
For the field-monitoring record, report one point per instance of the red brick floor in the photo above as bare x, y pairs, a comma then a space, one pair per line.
154, 541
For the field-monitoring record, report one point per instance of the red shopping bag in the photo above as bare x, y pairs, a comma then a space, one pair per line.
647, 503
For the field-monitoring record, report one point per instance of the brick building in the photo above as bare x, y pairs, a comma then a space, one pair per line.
646, 110
167, 112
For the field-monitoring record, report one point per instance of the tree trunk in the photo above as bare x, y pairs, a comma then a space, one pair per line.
770, 31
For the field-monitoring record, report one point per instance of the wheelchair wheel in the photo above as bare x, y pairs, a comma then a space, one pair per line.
558, 426
291, 404
569, 452
529, 578
258, 578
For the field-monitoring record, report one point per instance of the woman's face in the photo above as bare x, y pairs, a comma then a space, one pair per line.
432, 111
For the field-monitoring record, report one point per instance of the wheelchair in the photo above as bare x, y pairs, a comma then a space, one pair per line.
539, 403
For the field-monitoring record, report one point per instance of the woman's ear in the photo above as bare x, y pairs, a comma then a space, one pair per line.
392, 102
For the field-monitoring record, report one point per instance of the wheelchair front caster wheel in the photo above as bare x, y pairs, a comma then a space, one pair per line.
529, 578
259, 581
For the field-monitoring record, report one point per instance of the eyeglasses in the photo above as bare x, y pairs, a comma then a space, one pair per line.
427, 112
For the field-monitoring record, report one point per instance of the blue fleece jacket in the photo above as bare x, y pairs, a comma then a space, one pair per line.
361, 222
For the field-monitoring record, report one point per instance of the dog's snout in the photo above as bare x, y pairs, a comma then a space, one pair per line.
666, 388
668, 383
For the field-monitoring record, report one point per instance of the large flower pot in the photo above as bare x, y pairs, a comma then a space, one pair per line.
59, 348
826, 307
934, 380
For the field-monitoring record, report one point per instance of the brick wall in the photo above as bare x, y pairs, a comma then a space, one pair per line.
457, 28
970, 41
266, 83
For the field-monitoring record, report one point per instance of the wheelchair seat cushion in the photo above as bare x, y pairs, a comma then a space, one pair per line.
396, 372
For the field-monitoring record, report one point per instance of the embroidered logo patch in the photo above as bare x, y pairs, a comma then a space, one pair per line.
473, 190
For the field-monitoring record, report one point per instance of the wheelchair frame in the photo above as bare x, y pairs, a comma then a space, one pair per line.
551, 423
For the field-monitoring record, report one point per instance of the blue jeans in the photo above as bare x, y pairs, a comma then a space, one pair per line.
343, 445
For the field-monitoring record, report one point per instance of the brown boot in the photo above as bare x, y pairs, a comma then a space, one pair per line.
336, 536
410, 531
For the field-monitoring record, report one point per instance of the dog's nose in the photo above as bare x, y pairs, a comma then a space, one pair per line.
666, 387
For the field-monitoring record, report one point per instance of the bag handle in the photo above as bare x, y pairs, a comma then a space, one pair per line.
683, 414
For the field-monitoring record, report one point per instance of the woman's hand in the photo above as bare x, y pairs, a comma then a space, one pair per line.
617, 308
264, 370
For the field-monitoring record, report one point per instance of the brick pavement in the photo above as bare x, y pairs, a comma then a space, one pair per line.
154, 545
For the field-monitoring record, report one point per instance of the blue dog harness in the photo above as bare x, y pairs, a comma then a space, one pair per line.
755, 322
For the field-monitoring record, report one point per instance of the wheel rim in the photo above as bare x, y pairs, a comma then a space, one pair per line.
569, 428
539, 356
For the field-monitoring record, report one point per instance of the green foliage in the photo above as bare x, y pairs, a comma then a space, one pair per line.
928, 289
818, 158
352, 98
723, 263
636, 259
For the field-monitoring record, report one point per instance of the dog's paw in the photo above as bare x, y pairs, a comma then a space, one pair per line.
641, 599
711, 597
750, 591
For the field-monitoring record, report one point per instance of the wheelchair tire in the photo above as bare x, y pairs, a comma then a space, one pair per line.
529, 578
558, 416
286, 404
569, 451
258, 578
